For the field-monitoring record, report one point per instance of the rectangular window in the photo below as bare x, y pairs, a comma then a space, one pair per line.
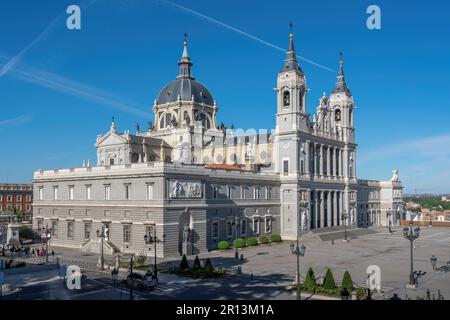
55, 193
40, 224
214, 192
268, 193
28, 198
229, 192
255, 226
150, 191
1, 198
19, 206
88, 192
55, 228
127, 192
149, 232
126, 233
9, 198
215, 230
268, 224
229, 229
107, 192
41, 193
19, 198
87, 230
28, 207
71, 188
70, 228
244, 227
302, 166
285, 167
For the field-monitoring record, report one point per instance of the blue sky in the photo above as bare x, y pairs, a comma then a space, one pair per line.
63, 87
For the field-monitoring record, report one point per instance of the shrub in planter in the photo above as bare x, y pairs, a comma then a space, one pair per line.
328, 281
208, 266
275, 238
239, 243
184, 263
264, 240
223, 245
252, 241
197, 266
347, 282
310, 280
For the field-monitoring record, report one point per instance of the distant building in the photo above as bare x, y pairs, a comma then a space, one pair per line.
16, 196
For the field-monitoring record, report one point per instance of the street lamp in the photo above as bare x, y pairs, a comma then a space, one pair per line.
102, 236
411, 235
235, 223
344, 217
154, 240
298, 251
444, 268
388, 216
46, 235
3, 233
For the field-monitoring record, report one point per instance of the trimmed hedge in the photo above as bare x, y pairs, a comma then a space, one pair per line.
328, 281
310, 280
275, 238
184, 263
347, 282
252, 241
239, 243
264, 240
223, 245
197, 266
208, 266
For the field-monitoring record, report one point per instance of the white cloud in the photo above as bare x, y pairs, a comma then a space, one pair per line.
7, 123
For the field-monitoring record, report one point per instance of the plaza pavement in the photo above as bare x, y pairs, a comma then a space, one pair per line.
273, 269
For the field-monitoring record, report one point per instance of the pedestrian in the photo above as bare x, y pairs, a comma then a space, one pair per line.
32, 252
53, 253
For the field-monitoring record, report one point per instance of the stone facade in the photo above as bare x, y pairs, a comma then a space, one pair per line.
198, 182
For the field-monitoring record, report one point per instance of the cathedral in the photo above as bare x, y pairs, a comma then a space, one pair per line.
186, 182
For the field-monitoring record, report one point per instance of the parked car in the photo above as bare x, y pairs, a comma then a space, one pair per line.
140, 280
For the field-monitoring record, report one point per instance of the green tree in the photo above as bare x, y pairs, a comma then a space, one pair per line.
26, 233
197, 266
347, 281
208, 266
328, 281
184, 264
310, 280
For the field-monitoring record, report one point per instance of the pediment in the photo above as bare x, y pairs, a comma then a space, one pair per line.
111, 138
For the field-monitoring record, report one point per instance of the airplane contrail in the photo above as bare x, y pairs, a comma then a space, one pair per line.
227, 26
67, 86
17, 58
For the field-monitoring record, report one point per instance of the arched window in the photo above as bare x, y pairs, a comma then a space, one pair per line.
337, 115
204, 118
286, 98
134, 158
167, 121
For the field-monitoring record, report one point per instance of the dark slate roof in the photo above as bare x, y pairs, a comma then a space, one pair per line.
185, 86
291, 63
341, 85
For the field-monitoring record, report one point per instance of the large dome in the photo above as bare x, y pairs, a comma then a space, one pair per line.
185, 88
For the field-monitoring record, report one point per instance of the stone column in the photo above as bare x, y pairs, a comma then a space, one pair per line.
341, 204
341, 169
321, 160
322, 209
316, 209
335, 211
329, 210
334, 173
328, 161
307, 160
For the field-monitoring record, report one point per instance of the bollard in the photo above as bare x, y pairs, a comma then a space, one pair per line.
242, 257
239, 270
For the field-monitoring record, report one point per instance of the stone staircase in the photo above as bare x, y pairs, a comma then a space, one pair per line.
94, 246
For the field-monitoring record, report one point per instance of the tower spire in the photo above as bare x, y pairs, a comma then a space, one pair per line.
341, 85
185, 63
291, 63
